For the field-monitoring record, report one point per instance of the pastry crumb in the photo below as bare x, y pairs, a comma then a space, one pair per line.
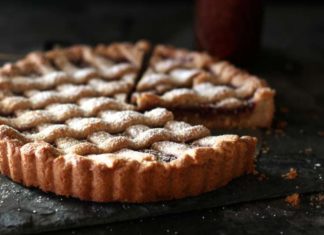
293, 199
319, 197
260, 176
317, 200
265, 148
291, 174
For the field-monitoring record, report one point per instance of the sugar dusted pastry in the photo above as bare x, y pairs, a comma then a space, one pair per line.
66, 126
200, 89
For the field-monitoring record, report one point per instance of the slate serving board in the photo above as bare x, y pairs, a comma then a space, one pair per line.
279, 68
300, 146
30, 210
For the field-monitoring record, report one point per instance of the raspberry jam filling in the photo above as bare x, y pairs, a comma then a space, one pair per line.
213, 109
160, 156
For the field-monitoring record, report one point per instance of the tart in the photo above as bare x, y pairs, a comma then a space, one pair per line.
66, 127
200, 89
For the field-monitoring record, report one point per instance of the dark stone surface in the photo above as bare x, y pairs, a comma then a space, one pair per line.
266, 217
292, 60
30, 210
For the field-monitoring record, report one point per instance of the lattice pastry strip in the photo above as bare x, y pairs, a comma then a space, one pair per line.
64, 94
138, 131
57, 113
95, 135
54, 79
111, 121
161, 82
137, 137
202, 94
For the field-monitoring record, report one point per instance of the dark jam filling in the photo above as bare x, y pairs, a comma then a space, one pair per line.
80, 63
213, 109
54, 65
159, 156
115, 59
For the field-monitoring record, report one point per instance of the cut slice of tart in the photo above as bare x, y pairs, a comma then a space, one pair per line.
200, 89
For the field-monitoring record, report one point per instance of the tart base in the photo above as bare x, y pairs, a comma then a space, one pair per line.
200, 170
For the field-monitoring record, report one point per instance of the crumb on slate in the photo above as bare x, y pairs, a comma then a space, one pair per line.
260, 176
293, 199
265, 148
317, 200
291, 174
320, 197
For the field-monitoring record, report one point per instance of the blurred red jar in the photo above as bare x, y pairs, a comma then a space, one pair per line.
229, 29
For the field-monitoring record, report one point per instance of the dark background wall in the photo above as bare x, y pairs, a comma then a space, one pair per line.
292, 37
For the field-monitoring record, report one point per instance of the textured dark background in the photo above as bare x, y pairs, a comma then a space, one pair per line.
291, 59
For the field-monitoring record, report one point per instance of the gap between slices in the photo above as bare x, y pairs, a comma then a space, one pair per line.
65, 126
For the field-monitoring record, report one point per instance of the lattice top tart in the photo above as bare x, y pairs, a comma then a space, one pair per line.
201, 89
66, 126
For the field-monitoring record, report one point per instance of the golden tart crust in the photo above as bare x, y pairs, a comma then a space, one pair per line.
65, 127
125, 177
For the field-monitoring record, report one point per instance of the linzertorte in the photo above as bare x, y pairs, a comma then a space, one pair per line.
66, 125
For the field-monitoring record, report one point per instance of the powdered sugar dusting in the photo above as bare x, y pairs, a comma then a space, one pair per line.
213, 93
